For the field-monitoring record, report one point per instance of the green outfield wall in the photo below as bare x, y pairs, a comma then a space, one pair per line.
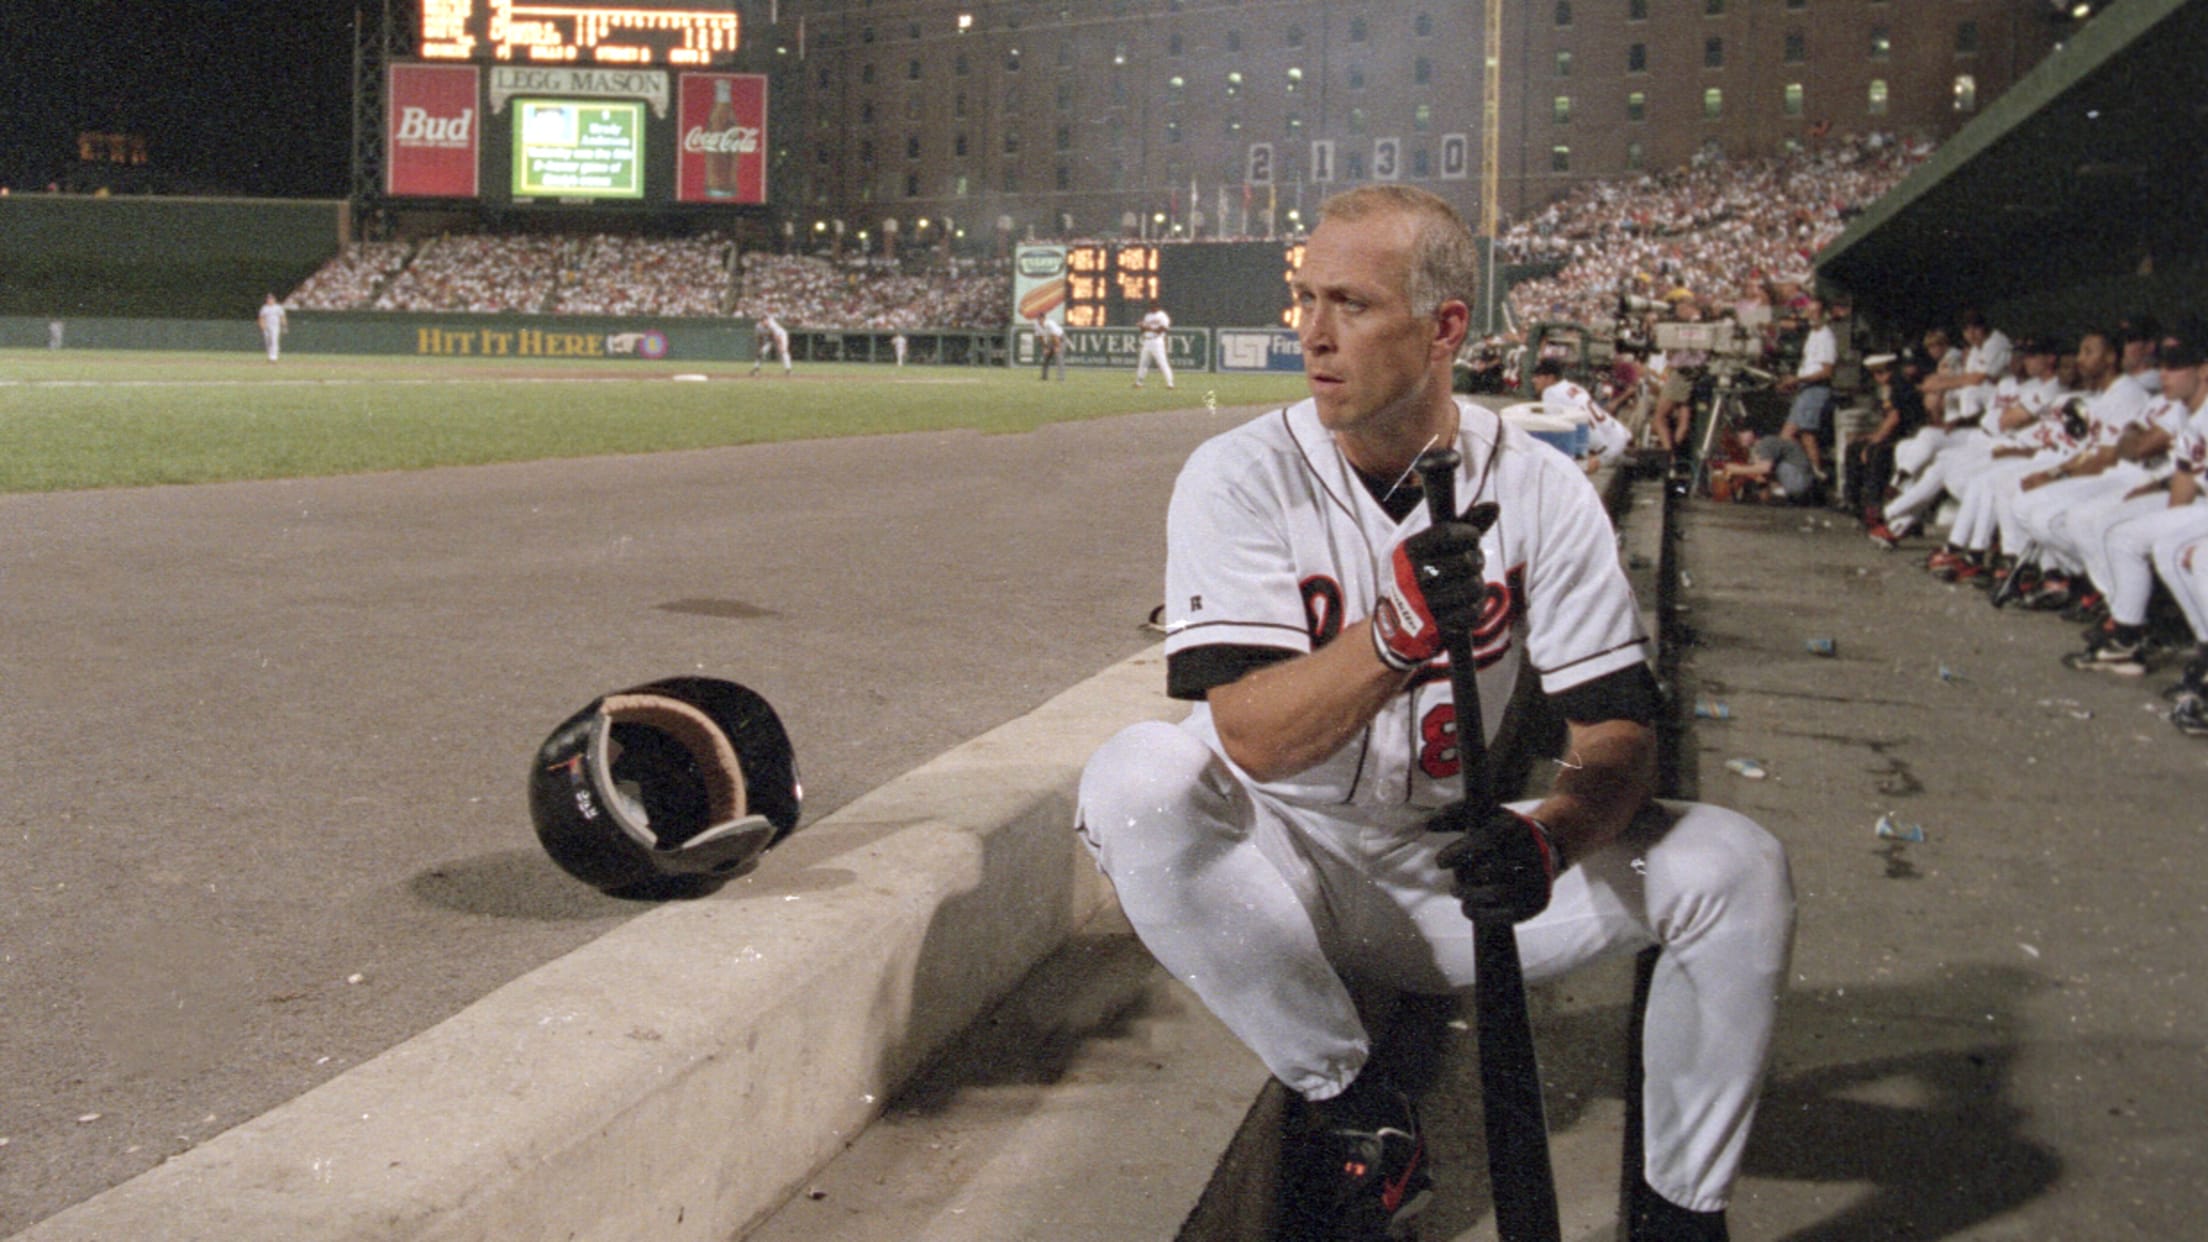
422, 336
73, 255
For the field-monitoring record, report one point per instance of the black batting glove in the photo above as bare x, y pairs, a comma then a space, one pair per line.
1504, 863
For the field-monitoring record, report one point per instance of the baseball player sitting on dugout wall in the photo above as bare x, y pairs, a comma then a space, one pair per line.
1293, 844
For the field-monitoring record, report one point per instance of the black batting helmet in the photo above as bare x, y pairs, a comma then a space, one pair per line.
667, 787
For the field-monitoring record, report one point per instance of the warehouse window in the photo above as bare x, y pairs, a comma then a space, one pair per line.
1636, 58
1713, 103
1878, 97
1563, 64
1560, 158
1966, 93
1563, 12
1793, 99
1563, 109
1636, 106
1797, 47
1713, 53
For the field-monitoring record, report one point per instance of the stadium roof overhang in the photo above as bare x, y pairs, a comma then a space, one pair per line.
2093, 165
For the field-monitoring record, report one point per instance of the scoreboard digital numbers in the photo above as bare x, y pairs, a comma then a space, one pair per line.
692, 33
1207, 284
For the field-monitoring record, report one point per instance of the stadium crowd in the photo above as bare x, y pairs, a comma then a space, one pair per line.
1714, 230
875, 293
609, 274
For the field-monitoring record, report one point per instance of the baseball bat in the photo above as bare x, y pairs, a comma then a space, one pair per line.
1518, 1171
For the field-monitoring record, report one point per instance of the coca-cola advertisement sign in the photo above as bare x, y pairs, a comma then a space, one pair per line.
723, 127
433, 130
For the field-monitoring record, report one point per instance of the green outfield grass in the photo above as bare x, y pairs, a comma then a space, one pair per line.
127, 419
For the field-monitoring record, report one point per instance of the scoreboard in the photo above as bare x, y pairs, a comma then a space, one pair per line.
694, 33
1208, 284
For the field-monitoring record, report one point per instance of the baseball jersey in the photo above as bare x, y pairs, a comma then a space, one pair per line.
2175, 419
1607, 438
1989, 357
1154, 325
1047, 330
2046, 432
2114, 408
1274, 541
1566, 393
2190, 450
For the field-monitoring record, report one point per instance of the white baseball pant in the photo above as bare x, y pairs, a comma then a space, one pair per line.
1153, 350
1273, 913
2181, 561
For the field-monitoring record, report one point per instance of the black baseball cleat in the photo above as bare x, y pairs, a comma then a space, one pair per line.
1653, 1218
1360, 1169
2190, 715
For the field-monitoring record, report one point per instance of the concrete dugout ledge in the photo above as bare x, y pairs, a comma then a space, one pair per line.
684, 1074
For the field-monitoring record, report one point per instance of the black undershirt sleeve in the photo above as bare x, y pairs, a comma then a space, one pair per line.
1628, 694
1191, 672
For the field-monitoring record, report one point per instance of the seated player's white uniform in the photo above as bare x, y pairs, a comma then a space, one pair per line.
1266, 896
2131, 535
1607, 438
2083, 530
1989, 496
1951, 470
2039, 512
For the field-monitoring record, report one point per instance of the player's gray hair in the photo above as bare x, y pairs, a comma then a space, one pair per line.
1444, 260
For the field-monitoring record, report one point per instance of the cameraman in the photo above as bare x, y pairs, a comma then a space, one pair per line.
1674, 417
1811, 385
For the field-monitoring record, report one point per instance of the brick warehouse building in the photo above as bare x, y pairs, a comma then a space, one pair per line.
1019, 117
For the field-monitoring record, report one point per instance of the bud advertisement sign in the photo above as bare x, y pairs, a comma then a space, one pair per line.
723, 123
433, 130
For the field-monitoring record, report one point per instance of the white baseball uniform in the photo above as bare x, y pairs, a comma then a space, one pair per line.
1952, 469
2122, 563
777, 340
1989, 496
1914, 453
1607, 438
273, 325
1154, 327
1275, 899
2181, 561
2042, 515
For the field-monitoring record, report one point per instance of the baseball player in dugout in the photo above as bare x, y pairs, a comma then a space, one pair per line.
1298, 844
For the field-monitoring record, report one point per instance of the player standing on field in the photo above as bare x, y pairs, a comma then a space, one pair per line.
1293, 844
774, 339
1155, 323
273, 325
1050, 342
